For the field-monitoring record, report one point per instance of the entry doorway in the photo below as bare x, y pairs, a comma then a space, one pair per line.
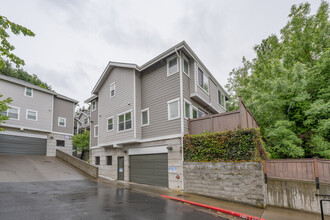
120, 170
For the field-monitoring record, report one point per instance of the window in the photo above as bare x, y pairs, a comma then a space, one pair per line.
109, 160
112, 90
86, 121
221, 98
173, 109
200, 113
12, 113
125, 121
60, 143
172, 66
145, 117
194, 113
187, 109
97, 160
96, 131
61, 122
110, 124
93, 106
31, 115
185, 66
28, 92
203, 80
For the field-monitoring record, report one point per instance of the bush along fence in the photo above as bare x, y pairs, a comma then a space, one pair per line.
238, 145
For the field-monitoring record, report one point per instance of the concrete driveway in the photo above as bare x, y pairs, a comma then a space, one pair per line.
37, 187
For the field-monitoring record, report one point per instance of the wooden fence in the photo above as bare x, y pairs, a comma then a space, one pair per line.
299, 169
233, 120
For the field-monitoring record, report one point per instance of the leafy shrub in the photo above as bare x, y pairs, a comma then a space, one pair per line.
242, 144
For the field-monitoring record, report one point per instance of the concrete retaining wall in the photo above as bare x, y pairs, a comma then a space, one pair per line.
80, 164
238, 182
299, 195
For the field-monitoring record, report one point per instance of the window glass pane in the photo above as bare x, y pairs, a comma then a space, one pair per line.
85, 121
200, 113
174, 109
195, 114
206, 83
185, 66
121, 126
128, 116
200, 77
128, 124
121, 118
223, 100
145, 117
187, 109
112, 90
109, 160
13, 113
32, 115
110, 124
96, 131
219, 97
172, 66
28, 91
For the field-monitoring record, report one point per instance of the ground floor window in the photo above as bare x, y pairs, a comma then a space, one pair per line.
109, 160
97, 160
60, 143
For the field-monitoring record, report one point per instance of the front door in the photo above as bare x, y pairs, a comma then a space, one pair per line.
120, 168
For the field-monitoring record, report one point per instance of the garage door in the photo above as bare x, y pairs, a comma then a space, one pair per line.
151, 169
11, 144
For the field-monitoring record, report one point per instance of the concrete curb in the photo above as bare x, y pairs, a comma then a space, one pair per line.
237, 214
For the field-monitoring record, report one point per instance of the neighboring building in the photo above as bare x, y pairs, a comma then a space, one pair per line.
141, 113
82, 121
40, 120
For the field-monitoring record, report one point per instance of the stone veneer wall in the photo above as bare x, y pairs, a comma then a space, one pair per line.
51, 144
110, 171
295, 194
233, 181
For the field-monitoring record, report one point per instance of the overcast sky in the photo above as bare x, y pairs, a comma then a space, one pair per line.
75, 39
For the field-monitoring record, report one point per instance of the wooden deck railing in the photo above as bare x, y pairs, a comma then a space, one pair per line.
233, 120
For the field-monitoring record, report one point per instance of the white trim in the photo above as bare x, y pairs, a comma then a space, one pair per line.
52, 118
134, 103
182, 113
58, 122
93, 109
96, 126
168, 109
208, 80
113, 123
24, 128
131, 110
24, 134
26, 115
160, 138
31, 96
196, 75
114, 84
145, 110
177, 65
190, 109
185, 59
18, 112
90, 133
148, 150
55, 132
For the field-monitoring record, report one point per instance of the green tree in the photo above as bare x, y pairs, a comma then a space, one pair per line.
81, 142
3, 108
287, 85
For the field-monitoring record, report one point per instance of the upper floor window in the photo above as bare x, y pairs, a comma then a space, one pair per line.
194, 112
96, 131
185, 66
203, 80
172, 66
221, 98
12, 112
200, 113
93, 105
173, 109
31, 115
85, 121
145, 117
110, 124
112, 90
28, 92
187, 111
125, 121
61, 122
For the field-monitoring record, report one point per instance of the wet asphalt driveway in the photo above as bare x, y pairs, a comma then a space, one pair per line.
76, 197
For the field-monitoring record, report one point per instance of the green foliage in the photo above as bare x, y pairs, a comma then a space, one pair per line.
8, 70
3, 108
286, 86
81, 141
5, 47
243, 144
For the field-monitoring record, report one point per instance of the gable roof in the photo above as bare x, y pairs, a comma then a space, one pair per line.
30, 85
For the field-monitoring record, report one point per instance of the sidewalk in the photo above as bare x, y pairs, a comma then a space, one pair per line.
269, 213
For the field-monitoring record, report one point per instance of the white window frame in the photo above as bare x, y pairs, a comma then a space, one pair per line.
29, 110
123, 113
185, 59
93, 106
223, 99
168, 62
58, 122
113, 123
114, 88
96, 126
168, 109
18, 112
145, 110
208, 81
192, 112
26, 90
190, 109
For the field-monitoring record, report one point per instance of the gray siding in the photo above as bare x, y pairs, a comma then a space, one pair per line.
214, 97
40, 102
157, 89
64, 109
138, 100
94, 121
122, 101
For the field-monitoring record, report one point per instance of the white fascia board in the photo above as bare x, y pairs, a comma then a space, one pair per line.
24, 134
148, 150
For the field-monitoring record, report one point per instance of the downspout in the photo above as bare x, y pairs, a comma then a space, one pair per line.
181, 112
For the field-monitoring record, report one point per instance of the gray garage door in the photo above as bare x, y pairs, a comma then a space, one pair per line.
151, 169
10, 144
